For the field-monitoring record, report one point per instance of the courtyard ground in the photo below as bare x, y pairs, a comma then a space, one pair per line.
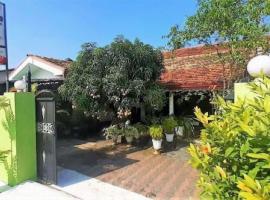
163, 177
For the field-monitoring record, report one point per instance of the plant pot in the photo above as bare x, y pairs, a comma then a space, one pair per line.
169, 137
157, 144
179, 130
129, 139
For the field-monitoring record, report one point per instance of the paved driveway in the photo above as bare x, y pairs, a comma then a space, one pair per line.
166, 177
35, 191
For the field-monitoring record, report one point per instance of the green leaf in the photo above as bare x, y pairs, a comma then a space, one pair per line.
229, 151
259, 156
267, 104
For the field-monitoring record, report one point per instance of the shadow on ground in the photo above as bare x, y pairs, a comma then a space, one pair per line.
93, 157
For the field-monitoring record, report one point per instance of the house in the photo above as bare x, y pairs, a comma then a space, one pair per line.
186, 69
193, 69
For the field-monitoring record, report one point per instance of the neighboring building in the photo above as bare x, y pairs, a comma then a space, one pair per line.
42, 68
44, 71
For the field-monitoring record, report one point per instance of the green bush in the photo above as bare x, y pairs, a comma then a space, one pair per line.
113, 132
234, 155
187, 123
142, 129
156, 132
168, 124
131, 131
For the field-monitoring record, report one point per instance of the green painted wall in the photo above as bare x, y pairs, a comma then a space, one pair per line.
242, 91
18, 136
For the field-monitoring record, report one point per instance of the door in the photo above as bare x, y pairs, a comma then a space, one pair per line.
46, 138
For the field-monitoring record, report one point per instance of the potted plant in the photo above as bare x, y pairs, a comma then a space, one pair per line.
113, 132
179, 129
169, 125
156, 134
143, 134
185, 126
130, 132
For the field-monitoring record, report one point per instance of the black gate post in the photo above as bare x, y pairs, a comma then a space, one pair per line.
46, 137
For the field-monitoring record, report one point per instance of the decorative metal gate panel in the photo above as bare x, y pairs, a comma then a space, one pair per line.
46, 137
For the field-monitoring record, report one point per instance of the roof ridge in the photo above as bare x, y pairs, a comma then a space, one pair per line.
46, 57
59, 62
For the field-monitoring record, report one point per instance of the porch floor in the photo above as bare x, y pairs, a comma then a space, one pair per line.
163, 177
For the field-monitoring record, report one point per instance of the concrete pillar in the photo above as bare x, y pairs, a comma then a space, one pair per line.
171, 103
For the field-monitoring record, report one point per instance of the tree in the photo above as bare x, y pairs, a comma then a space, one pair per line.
235, 28
109, 81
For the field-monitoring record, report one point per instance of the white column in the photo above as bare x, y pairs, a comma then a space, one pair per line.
171, 103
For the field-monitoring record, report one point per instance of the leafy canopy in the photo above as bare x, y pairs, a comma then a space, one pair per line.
240, 26
109, 81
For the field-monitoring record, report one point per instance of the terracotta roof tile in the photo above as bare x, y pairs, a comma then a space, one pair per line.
195, 68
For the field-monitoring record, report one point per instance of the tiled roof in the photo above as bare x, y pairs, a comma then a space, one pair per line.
61, 63
196, 68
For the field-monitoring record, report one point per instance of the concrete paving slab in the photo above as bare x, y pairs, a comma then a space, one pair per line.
3, 186
34, 191
87, 188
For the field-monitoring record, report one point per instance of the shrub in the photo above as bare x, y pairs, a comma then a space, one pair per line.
156, 132
131, 131
187, 123
168, 124
113, 132
142, 129
234, 155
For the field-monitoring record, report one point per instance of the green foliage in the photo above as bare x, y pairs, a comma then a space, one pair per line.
131, 131
238, 26
155, 97
168, 124
183, 96
187, 123
109, 81
156, 132
113, 132
143, 130
234, 155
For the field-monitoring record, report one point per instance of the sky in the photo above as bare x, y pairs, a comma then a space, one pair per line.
58, 28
